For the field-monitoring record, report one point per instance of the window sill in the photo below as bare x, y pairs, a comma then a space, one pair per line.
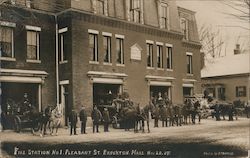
171, 70
7, 59
190, 74
151, 68
33, 61
93, 62
122, 65
63, 62
159, 69
109, 64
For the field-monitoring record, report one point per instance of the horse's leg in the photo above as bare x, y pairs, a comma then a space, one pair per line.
148, 125
143, 125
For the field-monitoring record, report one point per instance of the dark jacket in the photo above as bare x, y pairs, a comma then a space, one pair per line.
106, 117
73, 117
96, 116
83, 115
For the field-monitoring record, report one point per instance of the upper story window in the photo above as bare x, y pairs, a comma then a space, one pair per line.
184, 27
101, 7
119, 50
189, 63
33, 43
93, 47
150, 55
159, 56
28, 3
107, 48
135, 10
241, 91
169, 56
6, 42
63, 45
164, 16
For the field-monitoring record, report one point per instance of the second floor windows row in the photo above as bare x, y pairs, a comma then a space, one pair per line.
162, 61
107, 49
7, 42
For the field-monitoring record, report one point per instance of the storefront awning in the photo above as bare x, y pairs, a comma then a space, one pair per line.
159, 83
106, 74
107, 80
188, 85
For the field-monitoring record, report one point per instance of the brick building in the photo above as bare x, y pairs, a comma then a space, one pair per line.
89, 51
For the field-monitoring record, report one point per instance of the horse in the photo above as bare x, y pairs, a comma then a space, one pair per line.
177, 115
55, 120
145, 114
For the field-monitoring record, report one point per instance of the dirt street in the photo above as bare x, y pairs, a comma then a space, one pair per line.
207, 139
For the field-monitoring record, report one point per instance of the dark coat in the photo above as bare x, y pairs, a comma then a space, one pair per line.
96, 116
106, 117
83, 115
73, 117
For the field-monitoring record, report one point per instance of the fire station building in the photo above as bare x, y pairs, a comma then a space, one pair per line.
86, 52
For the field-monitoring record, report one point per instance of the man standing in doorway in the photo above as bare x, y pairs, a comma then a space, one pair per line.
96, 118
83, 119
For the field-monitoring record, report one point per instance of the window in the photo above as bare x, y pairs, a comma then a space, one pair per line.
107, 49
221, 93
159, 56
241, 91
100, 7
6, 42
119, 51
33, 45
28, 3
164, 16
135, 10
149, 55
169, 58
184, 27
63, 46
93, 47
189, 64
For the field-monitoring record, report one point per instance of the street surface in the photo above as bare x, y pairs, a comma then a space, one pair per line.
210, 138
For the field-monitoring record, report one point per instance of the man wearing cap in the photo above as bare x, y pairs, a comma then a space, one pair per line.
106, 120
83, 119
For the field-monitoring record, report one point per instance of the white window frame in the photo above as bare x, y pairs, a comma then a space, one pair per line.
12, 26
185, 36
166, 26
105, 7
190, 54
158, 45
108, 35
94, 32
133, 10
149, 42
117, 36
37, 30
171, 58
61, 37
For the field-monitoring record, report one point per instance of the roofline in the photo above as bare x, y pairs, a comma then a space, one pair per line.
186, 10
231, 75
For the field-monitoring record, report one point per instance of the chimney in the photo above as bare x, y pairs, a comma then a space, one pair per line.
202, 56
237, 49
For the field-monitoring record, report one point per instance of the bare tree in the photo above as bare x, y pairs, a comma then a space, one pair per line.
211, 41
241, 10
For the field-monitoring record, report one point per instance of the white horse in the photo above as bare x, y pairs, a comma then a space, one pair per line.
55, 120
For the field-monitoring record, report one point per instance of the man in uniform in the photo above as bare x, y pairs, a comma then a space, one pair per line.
73, 121
96, 118
106, 120
83, 119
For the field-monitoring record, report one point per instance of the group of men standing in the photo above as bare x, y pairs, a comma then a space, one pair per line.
97, 119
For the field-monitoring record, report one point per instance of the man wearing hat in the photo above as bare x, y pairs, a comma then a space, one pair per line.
73, 121
83, 119
96, 118
106, 120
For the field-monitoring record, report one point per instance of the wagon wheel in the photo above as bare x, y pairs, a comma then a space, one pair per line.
17, 124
